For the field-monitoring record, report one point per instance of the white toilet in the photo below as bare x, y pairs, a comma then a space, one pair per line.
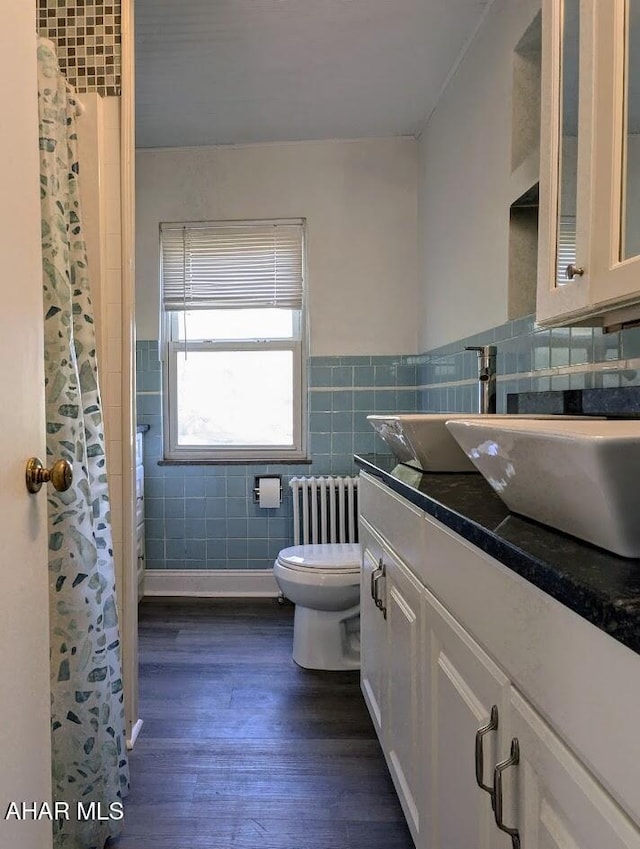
323, 581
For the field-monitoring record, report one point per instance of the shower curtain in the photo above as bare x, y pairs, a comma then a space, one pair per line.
89, 762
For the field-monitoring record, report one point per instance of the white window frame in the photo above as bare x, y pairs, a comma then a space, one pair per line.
297, 344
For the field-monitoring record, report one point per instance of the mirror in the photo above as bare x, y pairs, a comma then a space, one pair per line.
630, 219
568, 146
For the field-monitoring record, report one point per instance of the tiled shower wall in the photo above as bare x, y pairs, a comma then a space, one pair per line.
88, 41
203, 517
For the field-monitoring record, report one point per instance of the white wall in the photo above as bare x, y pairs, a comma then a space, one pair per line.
359, 199
465, 188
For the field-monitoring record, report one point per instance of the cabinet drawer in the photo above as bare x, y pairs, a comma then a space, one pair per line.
395, 518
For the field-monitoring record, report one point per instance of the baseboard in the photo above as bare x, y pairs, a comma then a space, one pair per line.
137, 728
210, 583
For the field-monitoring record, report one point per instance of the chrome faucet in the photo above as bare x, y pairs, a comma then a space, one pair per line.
486, 377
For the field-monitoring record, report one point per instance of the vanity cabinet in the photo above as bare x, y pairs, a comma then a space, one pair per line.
589, 225
488, 697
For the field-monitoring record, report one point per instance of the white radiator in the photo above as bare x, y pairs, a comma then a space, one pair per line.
325, 509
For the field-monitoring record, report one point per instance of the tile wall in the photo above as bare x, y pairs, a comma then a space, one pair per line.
203, 516
529, 359
88, 41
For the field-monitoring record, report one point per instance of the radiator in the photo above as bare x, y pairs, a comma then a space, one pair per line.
325, 509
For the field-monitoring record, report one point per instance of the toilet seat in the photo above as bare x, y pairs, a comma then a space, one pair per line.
322, 558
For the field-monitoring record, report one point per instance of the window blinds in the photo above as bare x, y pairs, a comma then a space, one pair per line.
231, 266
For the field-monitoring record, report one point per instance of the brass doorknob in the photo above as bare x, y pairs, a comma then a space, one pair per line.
60, 475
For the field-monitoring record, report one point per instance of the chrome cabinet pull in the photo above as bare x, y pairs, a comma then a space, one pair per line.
373, 584
512, 760
375, 576
381, 572
492, 725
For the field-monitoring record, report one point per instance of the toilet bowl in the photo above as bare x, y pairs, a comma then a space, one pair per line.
323, 581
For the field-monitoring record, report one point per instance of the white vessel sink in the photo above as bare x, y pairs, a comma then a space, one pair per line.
423, 441
580, 476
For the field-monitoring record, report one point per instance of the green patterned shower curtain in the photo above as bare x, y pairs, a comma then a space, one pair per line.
89, 762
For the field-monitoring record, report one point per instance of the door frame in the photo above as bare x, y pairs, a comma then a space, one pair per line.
129, 604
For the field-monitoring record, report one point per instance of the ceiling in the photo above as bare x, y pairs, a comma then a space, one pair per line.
243, 71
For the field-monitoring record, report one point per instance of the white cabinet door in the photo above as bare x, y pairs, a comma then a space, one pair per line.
590, 163
373, 628
464, 686
406, 752
391, 613
559, 804
566, 153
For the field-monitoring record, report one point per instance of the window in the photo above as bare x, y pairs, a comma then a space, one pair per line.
233, 334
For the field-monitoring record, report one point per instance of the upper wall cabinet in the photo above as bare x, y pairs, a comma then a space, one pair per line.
589, 238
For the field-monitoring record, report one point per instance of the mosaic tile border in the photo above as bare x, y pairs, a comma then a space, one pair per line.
88, 37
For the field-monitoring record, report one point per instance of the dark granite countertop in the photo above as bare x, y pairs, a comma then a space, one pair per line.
601, 587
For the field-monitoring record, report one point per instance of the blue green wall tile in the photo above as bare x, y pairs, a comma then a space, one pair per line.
195, 528
363, 375
631, 343
364, 400
213, 505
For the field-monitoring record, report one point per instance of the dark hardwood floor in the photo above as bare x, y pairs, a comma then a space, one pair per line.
242, 749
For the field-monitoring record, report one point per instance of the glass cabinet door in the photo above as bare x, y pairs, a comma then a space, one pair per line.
563, 271
589, 234
568, 129
630, 175
615, 224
